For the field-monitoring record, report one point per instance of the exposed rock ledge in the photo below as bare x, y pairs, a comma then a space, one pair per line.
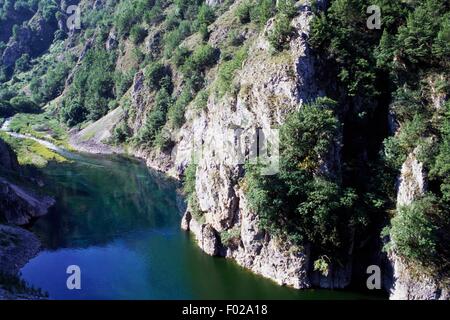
402, 282
20, 206
17, 247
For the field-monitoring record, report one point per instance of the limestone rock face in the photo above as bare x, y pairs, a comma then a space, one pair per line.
412, 181
222, 136
206, 236
409, 286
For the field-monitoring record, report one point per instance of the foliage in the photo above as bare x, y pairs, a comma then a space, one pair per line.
176, 112
172, 39
52, 83
227, 70
243, 12
281, 32
397, 65
23, 104
23, 63
155, 15
129, 13
204, 57
156, 75
201, 100
262, 11
121, 133
189, 179
123, 81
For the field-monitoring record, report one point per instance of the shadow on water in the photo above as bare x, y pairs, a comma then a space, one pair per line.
119, 222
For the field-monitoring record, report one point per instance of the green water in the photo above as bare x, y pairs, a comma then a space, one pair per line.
119, 222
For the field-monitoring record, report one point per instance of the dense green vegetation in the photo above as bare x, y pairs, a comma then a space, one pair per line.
401, 70
91, 90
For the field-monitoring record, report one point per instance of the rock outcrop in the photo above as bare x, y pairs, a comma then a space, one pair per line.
412, 181
409, 285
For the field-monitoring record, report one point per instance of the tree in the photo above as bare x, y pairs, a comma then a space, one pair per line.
23, 63
300, 202
156, 75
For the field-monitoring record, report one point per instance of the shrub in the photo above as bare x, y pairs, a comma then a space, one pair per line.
263, 11
206, 15
123, 82
156, 118
300, 202
138, 34
189, 179
287, 8
201, 100
243, 12
176, 112
201, 59
155, 15
204, 57
121, 132
163, 140
173, 38
92, 88
73, 112
155, 75
180, 56
281, 32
